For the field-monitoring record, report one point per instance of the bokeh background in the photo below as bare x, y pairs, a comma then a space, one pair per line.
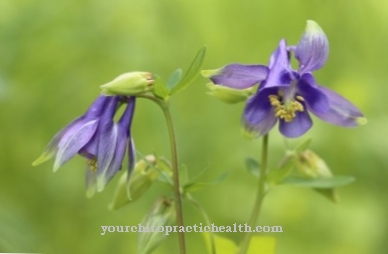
55, 54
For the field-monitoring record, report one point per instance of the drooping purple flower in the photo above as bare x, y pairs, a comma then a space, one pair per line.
285, 94
106, 150
98, 138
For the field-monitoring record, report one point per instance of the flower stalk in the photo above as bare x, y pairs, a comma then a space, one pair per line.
259, 196
175, 169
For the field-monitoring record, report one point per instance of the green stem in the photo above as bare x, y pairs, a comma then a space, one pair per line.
207, 220
259, 196
174, 160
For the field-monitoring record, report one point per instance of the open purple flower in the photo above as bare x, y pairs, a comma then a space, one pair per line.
285, 94
98, 138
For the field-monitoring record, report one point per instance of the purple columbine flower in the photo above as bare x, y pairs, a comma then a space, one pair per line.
285, 94
98, 138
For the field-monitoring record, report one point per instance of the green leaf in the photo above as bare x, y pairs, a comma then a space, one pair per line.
195, 186
262, 245
192, 72
160, 89
276, 176
303, 146
174, 79
253, 166
223, 245
320, 183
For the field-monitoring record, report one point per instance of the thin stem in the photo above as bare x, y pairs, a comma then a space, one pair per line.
259, 196
174, 160
207, 220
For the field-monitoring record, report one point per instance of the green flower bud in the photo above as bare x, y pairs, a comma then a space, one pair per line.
140, 180
311, 165
229, 95
157, 225
129, 84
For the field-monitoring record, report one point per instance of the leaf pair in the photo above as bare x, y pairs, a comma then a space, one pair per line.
175, 82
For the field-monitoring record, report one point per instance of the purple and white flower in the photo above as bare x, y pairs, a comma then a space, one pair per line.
97, 137
287, 95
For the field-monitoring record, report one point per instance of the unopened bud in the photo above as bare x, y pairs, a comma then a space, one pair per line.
159, 220
129, 84
311, 165
140, 180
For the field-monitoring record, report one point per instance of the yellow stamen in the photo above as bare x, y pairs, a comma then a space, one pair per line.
92, 164
286, 112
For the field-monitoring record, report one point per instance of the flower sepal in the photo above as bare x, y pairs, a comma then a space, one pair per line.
230, 95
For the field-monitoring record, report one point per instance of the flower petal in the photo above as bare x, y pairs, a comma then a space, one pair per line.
259, 116
237, 76
314, 97
123, 133
72, 142
313, 48
52, 148
341, 112
280, 70
297, 127
96, 109
106, 151
61, 139
118, 157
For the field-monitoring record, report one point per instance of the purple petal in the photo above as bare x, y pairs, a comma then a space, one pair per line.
126, 119
117, 161
96, 109
341, 112
280, 70
313, 48
259, 116
239, 76
107, 140
123, 133
106, 150
297, 127
72, 142
314, 97
52, 148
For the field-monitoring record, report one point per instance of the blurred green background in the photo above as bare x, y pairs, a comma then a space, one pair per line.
55, 54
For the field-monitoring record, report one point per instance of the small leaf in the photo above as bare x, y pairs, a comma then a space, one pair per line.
303, 146
253, 166
223, 245
320, 183
276, 176
192, 72
195, 186
196, 177
160, 89
262, 245
174, 79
